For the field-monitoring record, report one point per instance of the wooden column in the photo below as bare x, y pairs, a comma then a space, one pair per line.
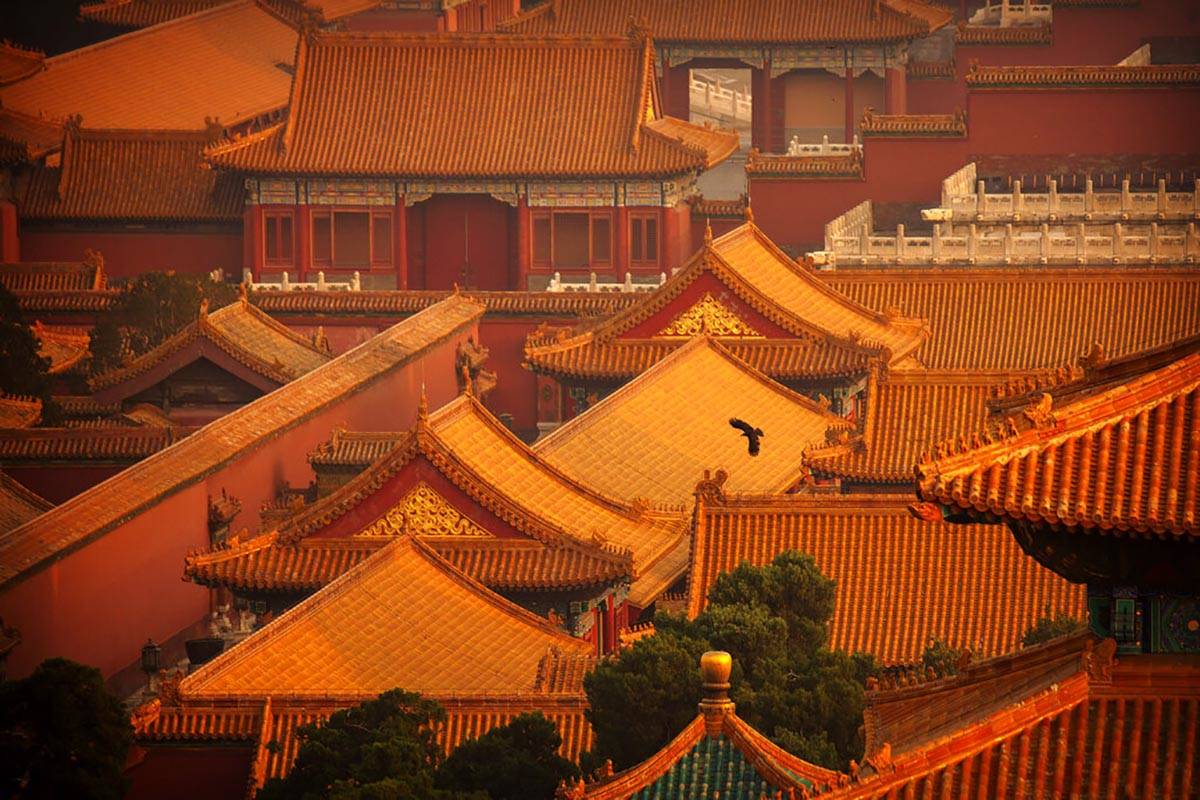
524, 245
668, 240
768, 109
252, 240
10, 247
895, 91
303, 242
664, 88
621, 242
849, 99
400, 256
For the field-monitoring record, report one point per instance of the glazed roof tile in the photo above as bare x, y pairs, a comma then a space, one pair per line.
1117, 75
105, 442
739, 763
414, 105
905, 414
148, 176
403, 618
1123, 727
98, 510
143, 13
900, 580
839, 334
1011, 320
654, 436
19, 412
18, 62
357, 449
222, 63
18, 505
729, 21
29, 276
241, 331
774, 164
26, 138
657, 540
1022, 35
580, 304
66, 348
914, 125
1121, 462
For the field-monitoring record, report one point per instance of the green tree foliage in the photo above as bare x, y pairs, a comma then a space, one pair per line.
513, 762
941, 657
22, 370
149, 309
1051, 627
62, 735
786, 682
384, 748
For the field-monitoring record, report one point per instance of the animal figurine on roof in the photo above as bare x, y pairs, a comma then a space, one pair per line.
751, 433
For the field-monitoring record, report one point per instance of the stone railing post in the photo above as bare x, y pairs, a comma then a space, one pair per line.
1153, 242
1080, 243
1162, 198
284, 282
1191, 244
356, 282
1016, 199
899, 241
320, 281
1044, 244
1008, 242
935, 243
971, 233
980, 199
1052, 195
864, 241
591, 281
628, 282
1089, 197
1118, 241
1126, 200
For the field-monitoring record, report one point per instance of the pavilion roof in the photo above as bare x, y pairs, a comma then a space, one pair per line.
1012, 319
18, 505
66, 348
19, 412
839, 335
143, 13
905, 413
245, 334
227, 63
740, 761
900, 580
26, 138
99, 509
1121, 461
734, 22
654, 436
357, 449
142, 175
54, 276
657, 539
475, 105
102, 442
404, 617
1062, 719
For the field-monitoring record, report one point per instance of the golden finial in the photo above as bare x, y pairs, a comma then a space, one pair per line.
749, 212
244, 292
423, 407
203, 307
707, 231
715, 666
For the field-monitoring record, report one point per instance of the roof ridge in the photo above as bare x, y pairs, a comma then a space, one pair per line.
10, 485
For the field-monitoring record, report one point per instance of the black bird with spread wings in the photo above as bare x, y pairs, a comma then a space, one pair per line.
751, 433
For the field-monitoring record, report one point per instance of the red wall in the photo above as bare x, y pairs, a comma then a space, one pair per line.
468, 227
128, 254
60, 482
100, 602
191, 773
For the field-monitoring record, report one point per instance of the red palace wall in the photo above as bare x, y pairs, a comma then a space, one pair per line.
98, 603
60, 482
1080, 126
127, 254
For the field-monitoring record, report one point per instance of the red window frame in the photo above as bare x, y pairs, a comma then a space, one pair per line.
645, 240
282, 240
374, 216
595, 261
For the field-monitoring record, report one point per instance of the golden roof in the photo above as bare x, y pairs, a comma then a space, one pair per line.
658, 540
403, 618
655, 436
65, 348
18, 505
19, 412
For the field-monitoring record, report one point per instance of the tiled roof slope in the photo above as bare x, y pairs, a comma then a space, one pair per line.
839, 334
900, 580
19, 412
738, 763
17, 62
102, 507
734, 21
1123, 728
905, 414
1121, 462
1025, 319
355, 448
403, 618
26, 138
1112, 76
222, 63
475, 105
573, 304
147, 176
18, 505
658, 540
106, 444
654, 436
247, 335
65, 348
32, 276
143, 13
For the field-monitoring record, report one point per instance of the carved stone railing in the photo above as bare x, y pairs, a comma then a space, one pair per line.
594, 284
716, 101
1081, 243
855, 223
1006, 13
823, 148
1123, 205
286, 284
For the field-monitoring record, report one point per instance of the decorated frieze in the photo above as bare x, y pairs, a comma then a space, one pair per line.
324, 192
783, 59
423, 512
709, 316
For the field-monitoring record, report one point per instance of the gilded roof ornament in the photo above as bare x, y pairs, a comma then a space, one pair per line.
708, 316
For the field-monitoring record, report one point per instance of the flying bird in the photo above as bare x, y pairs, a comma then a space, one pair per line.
751, 433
